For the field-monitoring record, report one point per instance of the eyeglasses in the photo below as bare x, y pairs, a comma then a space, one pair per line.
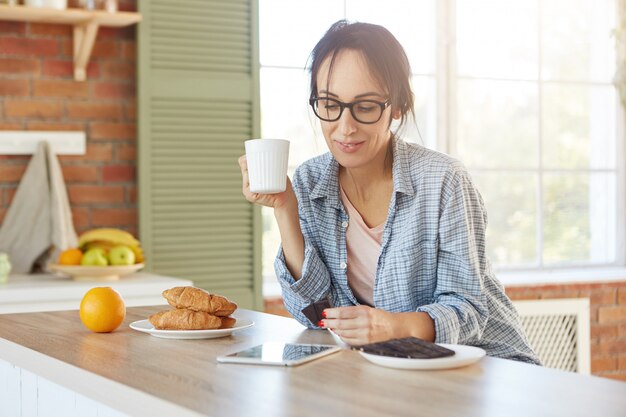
363, 111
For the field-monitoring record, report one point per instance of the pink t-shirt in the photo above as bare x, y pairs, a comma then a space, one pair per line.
363, 246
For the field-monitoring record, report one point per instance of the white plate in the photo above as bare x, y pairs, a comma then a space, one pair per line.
95, 273
463, 356
147, 327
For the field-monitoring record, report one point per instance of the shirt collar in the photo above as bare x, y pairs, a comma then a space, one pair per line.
328, 185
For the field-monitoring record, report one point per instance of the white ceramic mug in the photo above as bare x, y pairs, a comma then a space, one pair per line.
267, 165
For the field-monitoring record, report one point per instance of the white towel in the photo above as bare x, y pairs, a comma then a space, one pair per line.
38, 225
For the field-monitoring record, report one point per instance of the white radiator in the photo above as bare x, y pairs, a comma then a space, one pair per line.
558, 331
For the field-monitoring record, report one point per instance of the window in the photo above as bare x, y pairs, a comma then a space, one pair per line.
523, 98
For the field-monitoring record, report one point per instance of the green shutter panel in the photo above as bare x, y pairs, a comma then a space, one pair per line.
198, 101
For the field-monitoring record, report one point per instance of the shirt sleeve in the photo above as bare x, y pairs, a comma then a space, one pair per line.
459, 307
314, 284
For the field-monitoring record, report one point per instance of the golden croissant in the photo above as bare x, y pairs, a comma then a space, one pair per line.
197, 299
184, 319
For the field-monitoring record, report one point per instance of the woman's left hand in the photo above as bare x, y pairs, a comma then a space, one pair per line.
360, 325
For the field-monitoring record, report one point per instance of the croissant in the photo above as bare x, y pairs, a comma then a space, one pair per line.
227, 322
197, 299
184, 319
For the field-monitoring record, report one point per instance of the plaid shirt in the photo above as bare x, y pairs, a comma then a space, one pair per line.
432, 255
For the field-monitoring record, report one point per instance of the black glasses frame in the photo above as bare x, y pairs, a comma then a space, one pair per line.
382, 104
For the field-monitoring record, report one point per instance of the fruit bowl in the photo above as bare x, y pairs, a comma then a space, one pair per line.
95, 273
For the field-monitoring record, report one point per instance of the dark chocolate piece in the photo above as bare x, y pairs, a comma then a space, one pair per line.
313, 311
310, 313
408, 347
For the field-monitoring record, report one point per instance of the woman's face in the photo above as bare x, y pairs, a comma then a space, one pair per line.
353, 144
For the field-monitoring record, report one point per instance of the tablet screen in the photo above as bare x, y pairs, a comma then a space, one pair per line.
277, 353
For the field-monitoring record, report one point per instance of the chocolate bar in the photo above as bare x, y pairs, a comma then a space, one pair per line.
408, 347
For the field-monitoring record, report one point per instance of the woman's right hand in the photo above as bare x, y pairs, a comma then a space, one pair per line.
276, 201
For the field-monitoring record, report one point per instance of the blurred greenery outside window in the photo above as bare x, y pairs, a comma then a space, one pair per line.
524, 98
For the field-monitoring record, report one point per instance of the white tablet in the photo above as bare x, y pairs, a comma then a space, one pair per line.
278, 353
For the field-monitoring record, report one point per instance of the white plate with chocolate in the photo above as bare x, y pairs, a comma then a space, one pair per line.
147, 327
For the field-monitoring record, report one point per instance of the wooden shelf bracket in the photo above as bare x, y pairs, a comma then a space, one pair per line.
84, 38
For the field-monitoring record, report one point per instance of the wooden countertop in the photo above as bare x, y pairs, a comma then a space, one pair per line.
142, 375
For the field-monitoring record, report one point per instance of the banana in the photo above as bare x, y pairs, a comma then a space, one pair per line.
106, 238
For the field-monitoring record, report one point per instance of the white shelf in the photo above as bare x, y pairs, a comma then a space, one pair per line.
19, 142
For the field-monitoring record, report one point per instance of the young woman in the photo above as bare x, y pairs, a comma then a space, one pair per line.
393, 234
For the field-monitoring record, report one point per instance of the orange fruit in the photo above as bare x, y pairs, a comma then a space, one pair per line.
70, 257
102, 309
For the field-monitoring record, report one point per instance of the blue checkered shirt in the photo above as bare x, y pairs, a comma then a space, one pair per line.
432, 255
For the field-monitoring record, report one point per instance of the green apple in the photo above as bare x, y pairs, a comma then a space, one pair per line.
121, 255
94, 257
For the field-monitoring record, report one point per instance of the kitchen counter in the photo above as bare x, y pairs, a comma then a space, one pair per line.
48, 292
140, 375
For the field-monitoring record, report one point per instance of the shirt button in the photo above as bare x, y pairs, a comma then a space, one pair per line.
343, 265
344, 224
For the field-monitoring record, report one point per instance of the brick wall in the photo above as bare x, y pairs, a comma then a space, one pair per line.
607, 315
38, 92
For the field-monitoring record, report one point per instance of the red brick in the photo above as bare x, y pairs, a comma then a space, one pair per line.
114, 217
29, 46
602, 296
113, 90
126, 152
16, 66
131, 229
3, 212
612, 346
565, 293
80, 217
14, 87
80, 173
90, 111
11, 173
621, 363
603, 364
47, 29
126, 32
60, 88
604, 331
113, 131
621, 330
18, 28
129, 51
65, 68
617, 376
67, 47
33, 109
131, 111
95, 152
9, 194
131, 193
105, 49
80, 194
621, 295
127, 6
10, 126
118, 173
35, 125
119, 70
612, 314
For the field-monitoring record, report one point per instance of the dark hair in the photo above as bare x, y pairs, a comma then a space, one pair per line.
383, 54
